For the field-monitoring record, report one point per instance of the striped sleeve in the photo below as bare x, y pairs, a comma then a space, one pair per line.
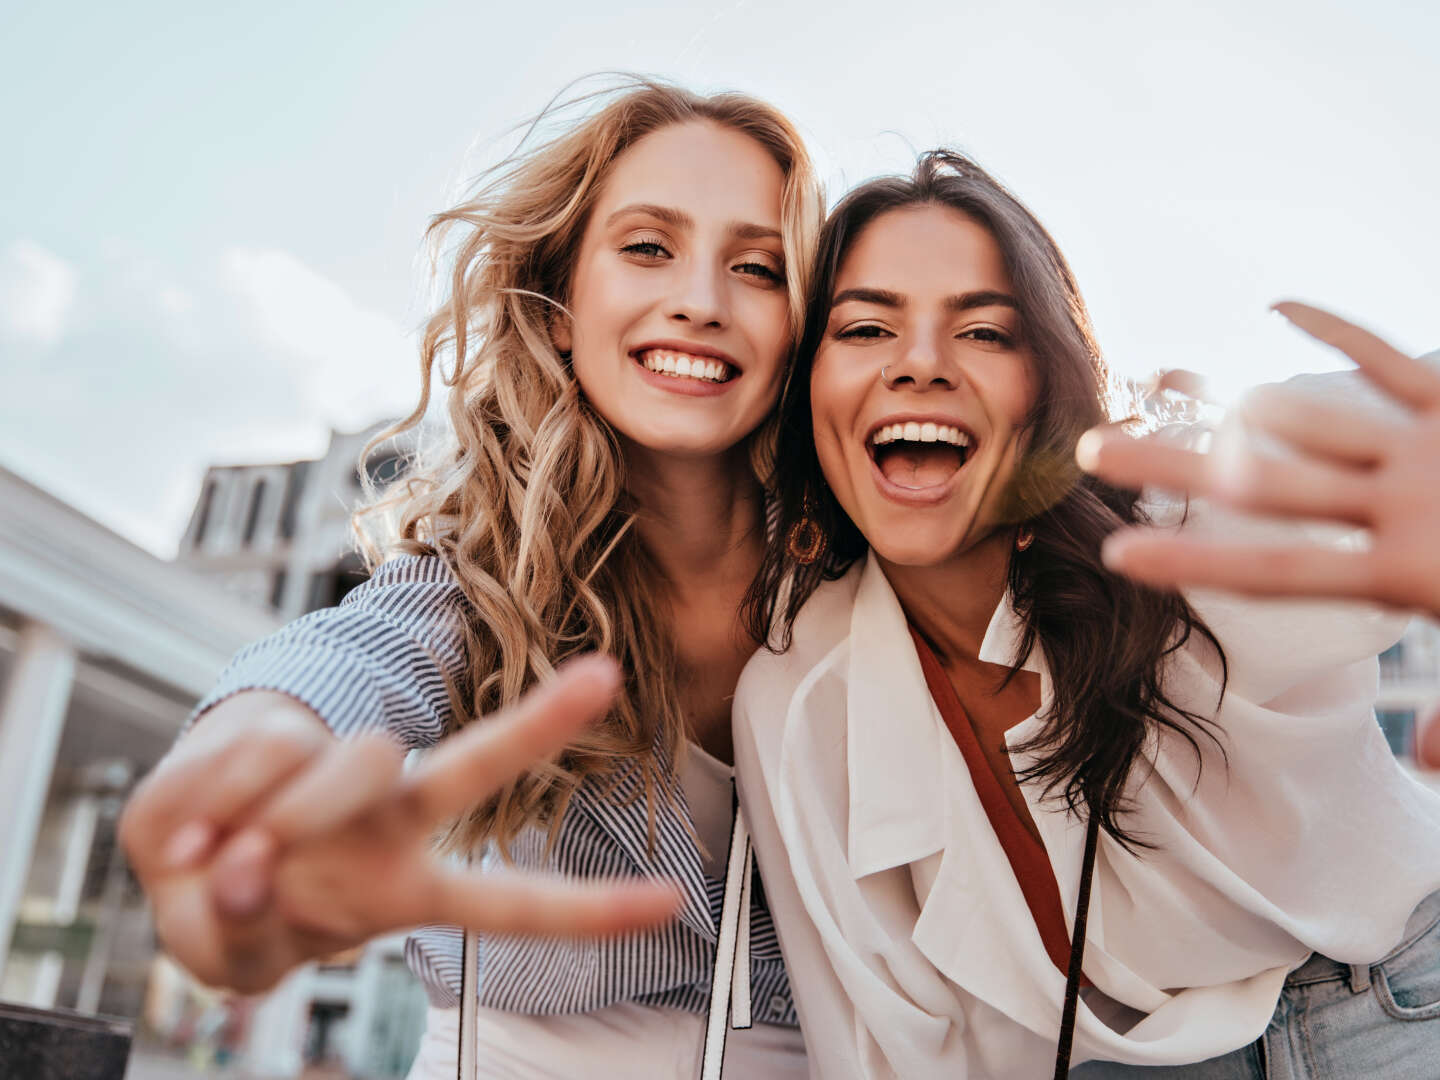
378, 662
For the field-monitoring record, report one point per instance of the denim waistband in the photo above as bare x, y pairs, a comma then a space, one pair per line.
1323, 969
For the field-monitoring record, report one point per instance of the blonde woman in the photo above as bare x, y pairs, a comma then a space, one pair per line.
617, 330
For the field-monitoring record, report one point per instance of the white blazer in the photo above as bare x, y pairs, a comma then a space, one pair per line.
910, 947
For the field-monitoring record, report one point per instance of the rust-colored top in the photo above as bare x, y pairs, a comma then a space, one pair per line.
1027, 855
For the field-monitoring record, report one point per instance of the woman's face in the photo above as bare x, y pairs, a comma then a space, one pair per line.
680, 327
921, 464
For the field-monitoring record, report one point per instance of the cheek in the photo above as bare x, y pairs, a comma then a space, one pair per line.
767, 322
834, 400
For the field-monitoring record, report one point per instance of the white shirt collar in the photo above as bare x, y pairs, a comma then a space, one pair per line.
895, 731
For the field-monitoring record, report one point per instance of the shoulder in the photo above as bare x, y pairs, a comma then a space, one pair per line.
774, 684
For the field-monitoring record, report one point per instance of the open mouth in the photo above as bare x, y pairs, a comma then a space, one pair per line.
919, 455
680, 365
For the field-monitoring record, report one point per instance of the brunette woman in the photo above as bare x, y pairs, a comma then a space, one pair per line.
973, 736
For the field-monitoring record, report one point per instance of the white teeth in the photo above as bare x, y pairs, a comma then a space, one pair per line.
683, 366
921, 432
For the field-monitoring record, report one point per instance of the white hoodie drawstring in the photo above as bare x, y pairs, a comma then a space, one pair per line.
468, 1057
730, 992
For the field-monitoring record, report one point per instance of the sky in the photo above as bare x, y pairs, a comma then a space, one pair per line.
211, 216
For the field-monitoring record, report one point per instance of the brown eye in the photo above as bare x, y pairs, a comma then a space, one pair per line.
646, 249
864, 331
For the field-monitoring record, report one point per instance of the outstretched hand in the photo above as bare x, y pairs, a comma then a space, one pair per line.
1352, 465
267, 843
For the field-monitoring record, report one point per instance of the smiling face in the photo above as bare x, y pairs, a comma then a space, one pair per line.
680, 315
921, 459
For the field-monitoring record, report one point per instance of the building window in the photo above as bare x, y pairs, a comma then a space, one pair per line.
252, 515
277, 589
294, 486
202, 516
384, 468
329, 587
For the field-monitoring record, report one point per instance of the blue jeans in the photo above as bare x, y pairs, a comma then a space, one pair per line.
1336, 1021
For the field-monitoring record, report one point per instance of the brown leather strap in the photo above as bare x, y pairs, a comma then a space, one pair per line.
1077, 955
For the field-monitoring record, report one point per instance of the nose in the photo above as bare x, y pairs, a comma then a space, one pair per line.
699, 297
923, 366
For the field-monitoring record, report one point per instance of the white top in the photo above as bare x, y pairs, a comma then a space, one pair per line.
910, 947
710, 795
628, 1039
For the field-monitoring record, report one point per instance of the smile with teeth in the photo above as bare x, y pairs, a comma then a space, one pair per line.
681, 365
911, 431
919, 454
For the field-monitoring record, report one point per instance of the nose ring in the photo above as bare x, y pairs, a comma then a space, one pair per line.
885, 378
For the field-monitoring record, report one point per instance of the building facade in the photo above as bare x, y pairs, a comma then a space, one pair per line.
278, 537
103, 648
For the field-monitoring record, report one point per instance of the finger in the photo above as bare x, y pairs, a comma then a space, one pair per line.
504, 903
1246, 481
1190, 383
342, 783
175, 816
1255, 569
241, 878
1316, 427
1411, 381
471, 764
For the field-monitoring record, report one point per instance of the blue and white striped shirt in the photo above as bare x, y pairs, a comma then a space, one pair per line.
379, 662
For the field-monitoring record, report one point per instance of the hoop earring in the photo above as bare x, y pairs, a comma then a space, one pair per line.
806, 540
1024, 537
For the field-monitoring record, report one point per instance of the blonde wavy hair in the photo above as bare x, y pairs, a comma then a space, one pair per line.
526, 500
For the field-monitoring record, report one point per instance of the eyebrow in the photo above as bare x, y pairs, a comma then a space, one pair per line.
678, 219
960, 302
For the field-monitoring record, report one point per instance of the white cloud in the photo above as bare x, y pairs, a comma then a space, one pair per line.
37, 291
353, 364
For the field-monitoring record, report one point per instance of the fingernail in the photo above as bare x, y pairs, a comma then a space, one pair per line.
188, 844
1087, 450
242, 883
1112, 551
242, 896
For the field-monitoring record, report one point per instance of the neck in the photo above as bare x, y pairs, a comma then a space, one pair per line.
952, 603
701, 518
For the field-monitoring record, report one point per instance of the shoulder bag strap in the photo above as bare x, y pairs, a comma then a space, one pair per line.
1077, 955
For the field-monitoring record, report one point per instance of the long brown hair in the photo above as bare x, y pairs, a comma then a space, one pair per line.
1105, 639
526, 498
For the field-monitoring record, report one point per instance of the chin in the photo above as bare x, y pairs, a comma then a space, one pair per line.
683, 442
911, 550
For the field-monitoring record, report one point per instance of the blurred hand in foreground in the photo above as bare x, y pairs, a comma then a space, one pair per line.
263, 841
1348, 464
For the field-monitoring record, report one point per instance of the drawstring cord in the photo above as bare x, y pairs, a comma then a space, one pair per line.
469, 1003
731, 997
730, 990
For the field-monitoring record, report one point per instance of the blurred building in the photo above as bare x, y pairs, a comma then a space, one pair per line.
1410, 689
278, 536
103, 648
